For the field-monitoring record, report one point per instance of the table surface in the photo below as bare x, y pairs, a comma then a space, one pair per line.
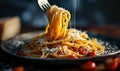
7, 63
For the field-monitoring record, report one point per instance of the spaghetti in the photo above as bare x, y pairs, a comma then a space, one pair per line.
59, 42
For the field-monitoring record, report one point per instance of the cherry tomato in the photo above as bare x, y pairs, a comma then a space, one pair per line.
91, 54
117, 59
19, 68
20, 53
82, 50
73, 56
111, 64
89, 66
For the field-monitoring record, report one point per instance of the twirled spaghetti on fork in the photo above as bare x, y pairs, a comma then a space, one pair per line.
59, 42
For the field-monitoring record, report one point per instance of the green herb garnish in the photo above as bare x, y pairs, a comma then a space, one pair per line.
88, 38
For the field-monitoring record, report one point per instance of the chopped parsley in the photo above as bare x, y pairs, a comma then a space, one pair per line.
88, 38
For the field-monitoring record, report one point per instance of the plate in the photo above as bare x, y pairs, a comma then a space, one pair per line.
11, 46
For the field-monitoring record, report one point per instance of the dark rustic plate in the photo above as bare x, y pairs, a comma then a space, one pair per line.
11, 46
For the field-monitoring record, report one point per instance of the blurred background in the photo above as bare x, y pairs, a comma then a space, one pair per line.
98, 16
88, 12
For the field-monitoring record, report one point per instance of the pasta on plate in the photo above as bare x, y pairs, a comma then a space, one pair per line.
59, 42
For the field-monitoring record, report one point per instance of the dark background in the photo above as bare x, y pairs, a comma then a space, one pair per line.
89, 12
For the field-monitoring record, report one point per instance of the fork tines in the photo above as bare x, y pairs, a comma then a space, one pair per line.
44, 4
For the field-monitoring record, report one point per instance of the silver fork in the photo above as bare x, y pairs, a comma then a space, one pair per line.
44, 5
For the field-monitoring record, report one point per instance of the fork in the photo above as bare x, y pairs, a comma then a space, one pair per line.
44, 5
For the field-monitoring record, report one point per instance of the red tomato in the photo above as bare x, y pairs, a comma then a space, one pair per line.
111, 64
19, 68
73, 56
91, 54
117, 59
89, 66
82, 51
20, 53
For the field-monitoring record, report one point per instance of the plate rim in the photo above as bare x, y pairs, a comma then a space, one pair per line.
56, 59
